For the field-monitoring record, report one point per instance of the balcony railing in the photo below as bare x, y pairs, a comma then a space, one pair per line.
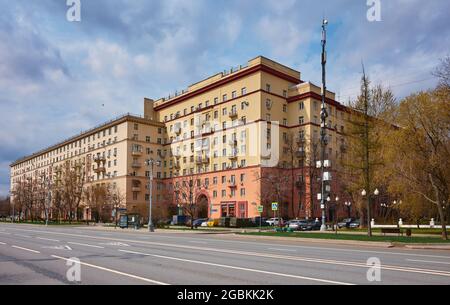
136, 165
99, 159
100, 169
233, 114
136, 152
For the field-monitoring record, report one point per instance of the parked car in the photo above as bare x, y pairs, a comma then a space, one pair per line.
354, 224
345, 223
257, 221
311, 225
198, 222
275, 221
297, 224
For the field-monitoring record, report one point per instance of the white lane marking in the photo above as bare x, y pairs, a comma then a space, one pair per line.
112, 271
198, 242
2, 243
25, 249
24, 236
282, 249
266, 255
86, 245
261, 244
5, 233
116, 244
430, 262
59, 248
48, 239
239, 268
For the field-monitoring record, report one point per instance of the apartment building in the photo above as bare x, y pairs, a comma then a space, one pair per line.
112, 154
227, 133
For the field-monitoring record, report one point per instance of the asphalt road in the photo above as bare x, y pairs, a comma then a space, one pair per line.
39, 255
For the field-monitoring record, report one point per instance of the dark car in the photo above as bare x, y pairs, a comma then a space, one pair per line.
345, 223
198, 222
311, 226
354, 224
260, 221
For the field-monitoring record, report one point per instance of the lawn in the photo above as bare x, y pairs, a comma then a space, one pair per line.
332, 236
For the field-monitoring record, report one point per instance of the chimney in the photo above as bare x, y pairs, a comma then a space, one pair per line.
149, 112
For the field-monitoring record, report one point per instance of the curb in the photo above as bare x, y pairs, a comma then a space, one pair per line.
323, 241
427, 247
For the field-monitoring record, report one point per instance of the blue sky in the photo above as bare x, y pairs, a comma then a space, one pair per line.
55, 75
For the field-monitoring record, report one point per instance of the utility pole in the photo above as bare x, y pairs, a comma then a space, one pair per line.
150, 164
323, 131
366, 148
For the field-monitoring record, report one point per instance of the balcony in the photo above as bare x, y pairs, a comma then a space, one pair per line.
199, 160
205, 160
233, 156
233, 142
136, 165
233, 114
100, 169
136, 152
232, 184
99, 159
300, 154
177, 166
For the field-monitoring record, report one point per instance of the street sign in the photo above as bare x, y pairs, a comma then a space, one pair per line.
260, 209
274, 206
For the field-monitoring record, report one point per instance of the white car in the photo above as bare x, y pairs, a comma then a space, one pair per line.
275, 221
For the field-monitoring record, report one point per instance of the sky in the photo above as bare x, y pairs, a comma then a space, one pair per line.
58, 78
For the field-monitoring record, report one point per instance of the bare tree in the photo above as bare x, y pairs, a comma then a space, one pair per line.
118, 200
443, 72
187, 191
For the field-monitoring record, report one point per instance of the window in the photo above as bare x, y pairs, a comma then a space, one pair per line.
268, 87
136, 127
244, 91
224, 98
284, 93
216, 101
301, 120
234, 94
224, 111
284, 108
147, 139
301, 105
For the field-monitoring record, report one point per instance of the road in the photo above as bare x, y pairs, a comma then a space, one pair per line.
40, 255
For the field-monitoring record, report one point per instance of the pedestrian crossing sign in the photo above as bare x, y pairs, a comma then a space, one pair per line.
274, 206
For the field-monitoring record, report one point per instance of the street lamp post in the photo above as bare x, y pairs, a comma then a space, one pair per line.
150, 164
348, 204
323, 116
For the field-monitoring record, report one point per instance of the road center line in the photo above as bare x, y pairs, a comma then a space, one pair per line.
48, 239
24, 236
112, 271
239, 268
431, 262
2, 243
25, 249
86, 245
282, 249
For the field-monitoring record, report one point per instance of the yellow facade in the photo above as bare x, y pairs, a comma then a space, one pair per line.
216, 129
